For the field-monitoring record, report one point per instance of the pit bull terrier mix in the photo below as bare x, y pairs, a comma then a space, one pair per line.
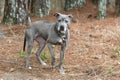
45, 32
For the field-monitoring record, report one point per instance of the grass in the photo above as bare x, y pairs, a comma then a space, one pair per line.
22, 54
117, 50
45, 55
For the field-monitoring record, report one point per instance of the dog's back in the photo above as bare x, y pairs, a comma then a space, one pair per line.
36, 28
41, 23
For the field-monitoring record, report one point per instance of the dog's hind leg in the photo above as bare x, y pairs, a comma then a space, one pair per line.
52, 54
29, 49
41, 44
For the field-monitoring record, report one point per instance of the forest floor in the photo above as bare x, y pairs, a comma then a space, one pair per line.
93, 52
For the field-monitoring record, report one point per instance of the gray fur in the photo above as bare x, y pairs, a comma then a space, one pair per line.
45, 32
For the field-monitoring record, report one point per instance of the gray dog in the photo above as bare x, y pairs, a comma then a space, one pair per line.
45, 32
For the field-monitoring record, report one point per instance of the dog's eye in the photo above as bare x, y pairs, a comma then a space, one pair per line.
59, 20
66, 21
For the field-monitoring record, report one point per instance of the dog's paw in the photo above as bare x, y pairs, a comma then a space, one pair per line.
43, 63
61, 71
30, 67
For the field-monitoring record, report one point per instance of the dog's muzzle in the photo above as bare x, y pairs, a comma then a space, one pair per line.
63, 29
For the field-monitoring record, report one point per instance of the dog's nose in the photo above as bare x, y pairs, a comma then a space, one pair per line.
62, 28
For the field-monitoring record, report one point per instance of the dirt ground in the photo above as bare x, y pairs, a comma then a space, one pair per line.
93, 52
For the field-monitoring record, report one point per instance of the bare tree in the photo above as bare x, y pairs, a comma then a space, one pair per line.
102, 9
117, 6
2, 7
40, 8
15, 12
70, 4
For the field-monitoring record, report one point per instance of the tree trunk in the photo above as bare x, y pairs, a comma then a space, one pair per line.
15, 12
57, 5
1, 33
102, 9
117, 6
2, 7
95, 1
10, 12
40, 8
70, 4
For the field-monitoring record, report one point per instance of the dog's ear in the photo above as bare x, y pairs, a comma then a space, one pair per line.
57, 14
70, 16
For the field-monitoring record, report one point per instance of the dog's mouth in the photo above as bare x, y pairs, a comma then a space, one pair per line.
63, 32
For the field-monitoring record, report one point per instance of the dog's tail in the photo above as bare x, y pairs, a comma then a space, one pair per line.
24, 45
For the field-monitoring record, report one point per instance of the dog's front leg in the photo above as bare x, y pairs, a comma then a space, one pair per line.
52, 54
62, 53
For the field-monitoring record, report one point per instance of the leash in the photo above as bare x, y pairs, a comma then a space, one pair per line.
22, 65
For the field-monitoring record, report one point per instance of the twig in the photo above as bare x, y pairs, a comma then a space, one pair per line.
9, 62
22, 65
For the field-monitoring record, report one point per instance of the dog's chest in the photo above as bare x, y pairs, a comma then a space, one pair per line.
55, 39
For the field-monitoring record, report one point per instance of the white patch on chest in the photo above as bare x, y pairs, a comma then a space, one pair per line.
60, 41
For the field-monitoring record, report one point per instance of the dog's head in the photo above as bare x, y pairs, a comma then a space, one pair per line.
63, 22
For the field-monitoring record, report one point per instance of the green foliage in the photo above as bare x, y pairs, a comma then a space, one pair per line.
22, 54
45, 56
116, 50
110, 70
